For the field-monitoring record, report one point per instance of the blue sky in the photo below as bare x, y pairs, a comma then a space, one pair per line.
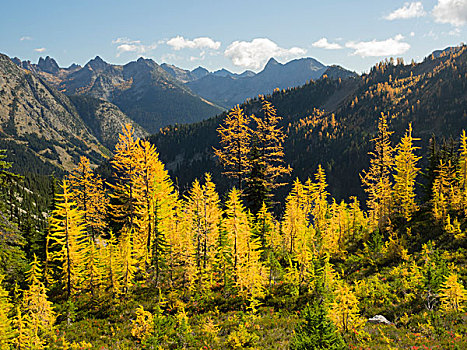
236, 35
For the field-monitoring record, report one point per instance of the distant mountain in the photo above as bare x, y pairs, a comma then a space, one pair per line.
186, 76
45, 131
39, 126
48, 65
223, 73
142, 89
199, 72
228, 89
331, 121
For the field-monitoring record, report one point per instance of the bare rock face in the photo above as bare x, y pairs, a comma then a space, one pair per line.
379, 319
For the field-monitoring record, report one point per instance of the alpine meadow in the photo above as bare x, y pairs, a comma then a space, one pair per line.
255, 198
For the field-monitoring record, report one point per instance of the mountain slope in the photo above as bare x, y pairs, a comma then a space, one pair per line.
229, 90
38, 122
104, 119
331, 122
143, 90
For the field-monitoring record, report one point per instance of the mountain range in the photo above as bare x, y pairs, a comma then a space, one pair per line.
144, 91
228, 89
332, 121
50, 116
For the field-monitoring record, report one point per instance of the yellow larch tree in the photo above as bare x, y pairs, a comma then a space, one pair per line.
203, 207
111, 267
271, 139
127, 260
406, 171
6, 330
377, 180
66, 235
299, 234
462, 172
88, 193
123, 205
452, 294
155, 199
344, 311
38, 316
22, 335
442, 190
318, 199
331, 239
182, 254
266, 157
235, 137
92, 267
236, 224
250, 274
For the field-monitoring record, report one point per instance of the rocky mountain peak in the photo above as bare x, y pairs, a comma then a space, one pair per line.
97, 63
272, 63
48, 65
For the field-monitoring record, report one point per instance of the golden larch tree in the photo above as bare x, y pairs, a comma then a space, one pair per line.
66, 235
6, 330
235, 135
88, 193
39, 317
203, 208
377, 180
406, 171
453, 294
123, 206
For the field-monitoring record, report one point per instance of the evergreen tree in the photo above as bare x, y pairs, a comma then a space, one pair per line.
316, 330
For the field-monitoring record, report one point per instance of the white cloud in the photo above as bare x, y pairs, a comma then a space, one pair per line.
254, 54
323, 43
41, 49
201, 57
23, 38
409, 10
374, 48
128, 45
179, 42
431, 34
451, 11
412, 34
455, 32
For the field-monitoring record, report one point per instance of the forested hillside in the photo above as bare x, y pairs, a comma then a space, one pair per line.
254, 239
331, 121
133, 264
